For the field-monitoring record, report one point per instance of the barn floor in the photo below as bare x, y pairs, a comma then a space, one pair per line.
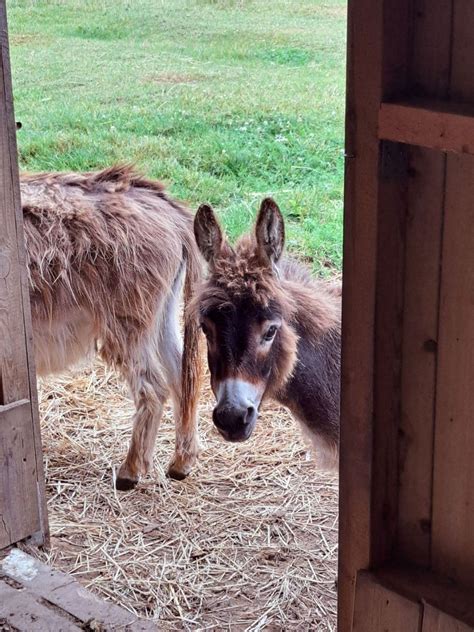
247, 542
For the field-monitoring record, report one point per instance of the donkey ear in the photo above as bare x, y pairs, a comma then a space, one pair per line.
270, 231
208, 233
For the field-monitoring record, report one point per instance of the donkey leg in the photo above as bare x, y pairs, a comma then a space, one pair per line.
187, 441
186, 427
150, 393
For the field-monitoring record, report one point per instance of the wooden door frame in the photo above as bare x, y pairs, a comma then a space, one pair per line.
22, 495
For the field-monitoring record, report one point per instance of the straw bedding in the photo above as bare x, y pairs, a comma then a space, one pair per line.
247, 542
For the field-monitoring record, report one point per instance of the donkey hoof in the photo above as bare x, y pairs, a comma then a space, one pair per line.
125, 484
176, 474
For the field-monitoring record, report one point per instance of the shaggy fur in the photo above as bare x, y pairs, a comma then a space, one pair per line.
251, 284
107, 253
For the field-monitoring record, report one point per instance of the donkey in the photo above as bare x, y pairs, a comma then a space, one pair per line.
108, 254
272, 332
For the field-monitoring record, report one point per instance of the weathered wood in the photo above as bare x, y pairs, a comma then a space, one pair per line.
431, 50
27, 615
17, 378
430, 72
392, 204
378, 608
433, 124
453, 494
436, 621
375, 71
360, 228
68, 598
18, 483
428, 587
419, 353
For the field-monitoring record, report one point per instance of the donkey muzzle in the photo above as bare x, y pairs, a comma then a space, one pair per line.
235, 414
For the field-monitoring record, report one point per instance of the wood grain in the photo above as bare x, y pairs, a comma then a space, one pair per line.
379, 609
23, 505
436, 621
434, 124
430, 72
453, 493
360, 229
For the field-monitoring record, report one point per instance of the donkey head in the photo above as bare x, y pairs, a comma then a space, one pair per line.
245, 315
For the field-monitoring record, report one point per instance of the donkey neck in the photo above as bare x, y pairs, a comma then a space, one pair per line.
312, 391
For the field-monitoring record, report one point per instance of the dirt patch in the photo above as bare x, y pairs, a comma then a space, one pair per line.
174, 78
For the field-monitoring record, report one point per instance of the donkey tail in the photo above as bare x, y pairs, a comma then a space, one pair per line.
191, 370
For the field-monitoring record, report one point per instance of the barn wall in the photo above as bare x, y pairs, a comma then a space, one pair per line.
407, 444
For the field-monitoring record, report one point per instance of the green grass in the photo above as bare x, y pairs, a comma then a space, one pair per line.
224, 100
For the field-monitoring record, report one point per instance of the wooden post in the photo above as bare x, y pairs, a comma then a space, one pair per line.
22, 494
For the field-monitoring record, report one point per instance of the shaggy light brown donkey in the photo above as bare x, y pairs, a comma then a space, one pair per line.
108, 254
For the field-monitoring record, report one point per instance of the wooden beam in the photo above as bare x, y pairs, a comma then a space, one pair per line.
434, 124
360, 230
22, 496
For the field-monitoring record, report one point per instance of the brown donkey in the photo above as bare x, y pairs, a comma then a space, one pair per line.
272, 332
108, 254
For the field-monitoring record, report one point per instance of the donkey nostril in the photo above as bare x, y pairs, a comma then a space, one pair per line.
250, 414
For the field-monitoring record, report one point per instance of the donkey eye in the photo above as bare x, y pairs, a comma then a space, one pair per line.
270, 333
205, 329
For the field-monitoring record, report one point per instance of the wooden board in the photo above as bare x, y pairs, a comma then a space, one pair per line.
379, 609
23, 506
433, 124
419, 353
436, 621
372, 74
453, 499
44, 599
427, 587
361, 193
404, 598
430, 75
431, 50
453, 494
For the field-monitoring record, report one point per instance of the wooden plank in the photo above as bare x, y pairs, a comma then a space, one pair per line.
17, 609
431, 57
453, 497
17, 376
388, 330
13, 359
453, 494
430, 72
18, 483
428, 587
374, 72
419, 353
360, 229
378, 608
388, 349
43, 584
436, 125
436, 621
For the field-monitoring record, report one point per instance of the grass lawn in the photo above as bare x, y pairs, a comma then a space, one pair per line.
224, 100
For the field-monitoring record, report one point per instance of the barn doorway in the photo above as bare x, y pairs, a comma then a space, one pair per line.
256, 519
